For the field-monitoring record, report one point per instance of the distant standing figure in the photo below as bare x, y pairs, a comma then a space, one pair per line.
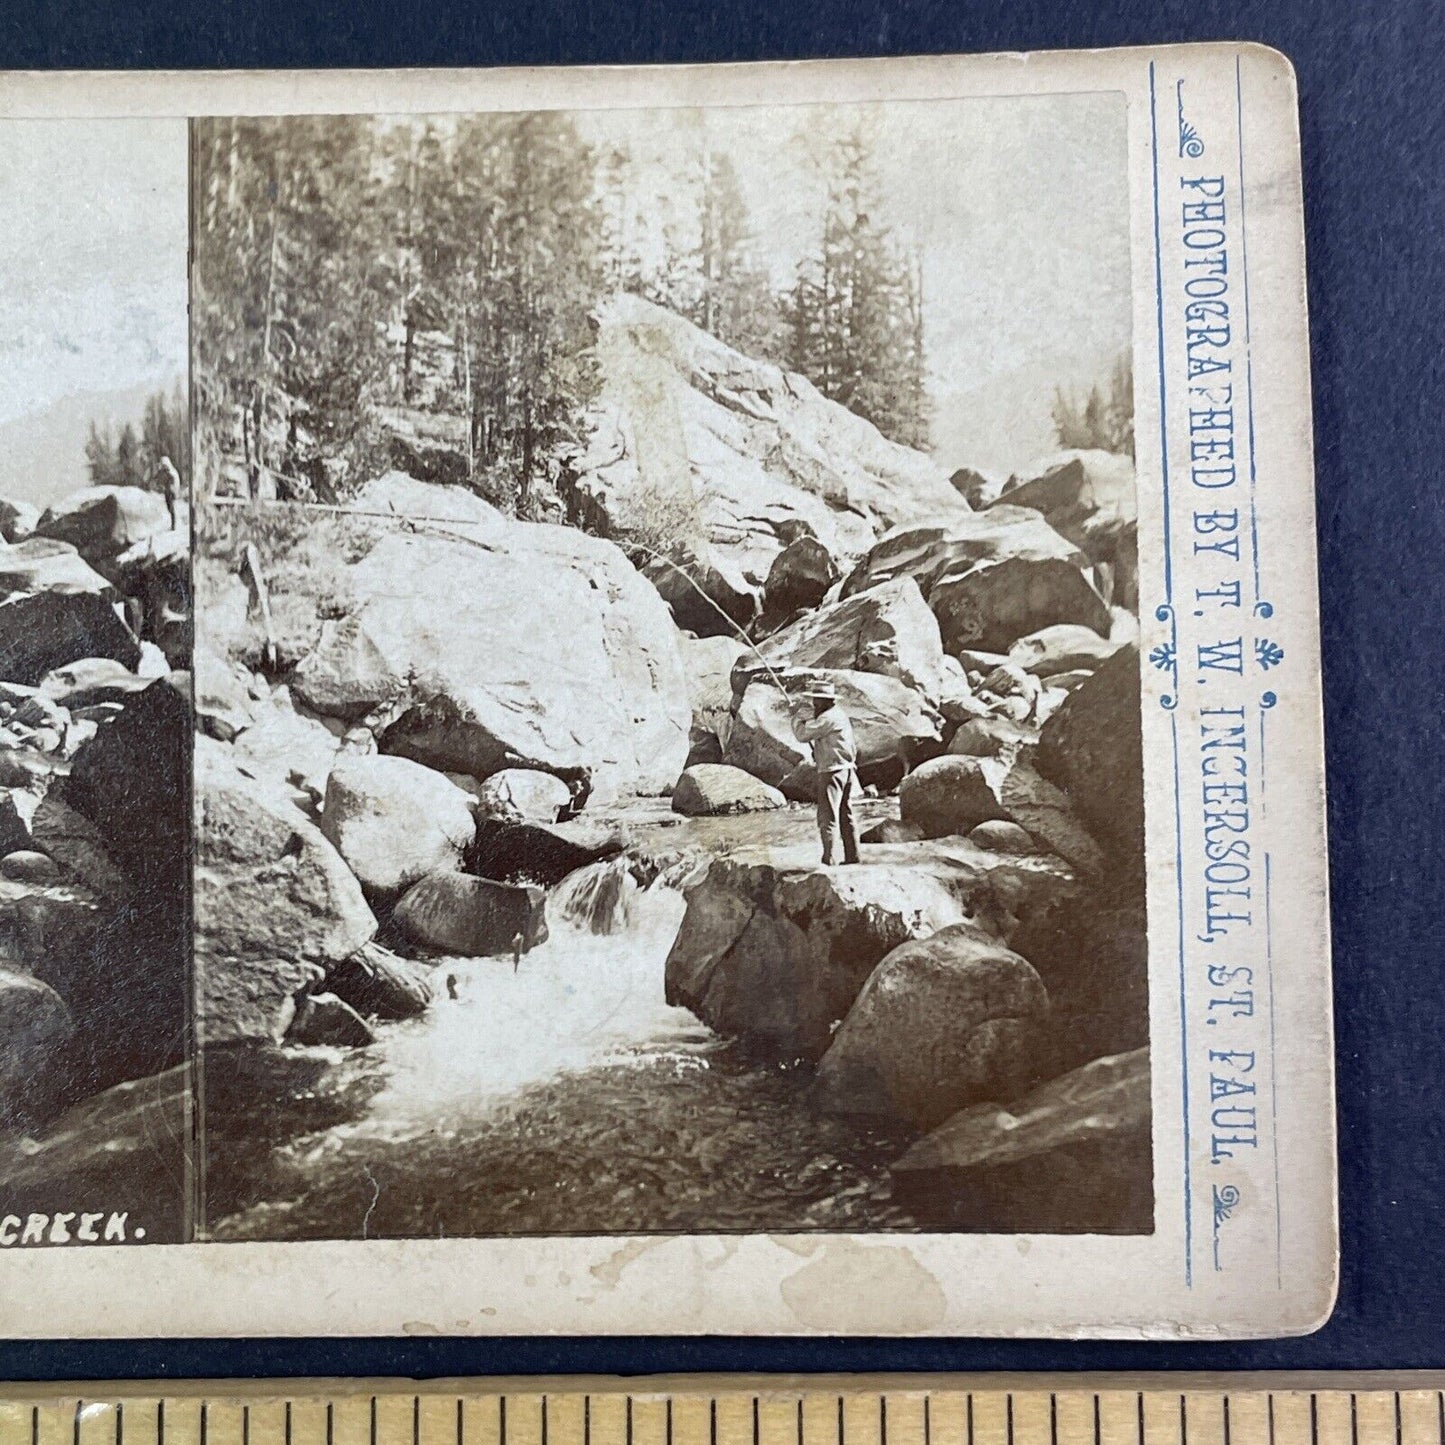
824, 726
171, 485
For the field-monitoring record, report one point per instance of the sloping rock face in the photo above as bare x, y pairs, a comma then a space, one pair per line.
394, 821
547, 652
887, 716
275, 905
712, 789
1090, 497
887, 630
990, 577
1072, 1157
101, 522
738, 454
44, 565
40, 631
954, 794
943, 1022
1093, 749
777, 956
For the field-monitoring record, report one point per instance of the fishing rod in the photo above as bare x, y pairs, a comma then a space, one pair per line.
692, 582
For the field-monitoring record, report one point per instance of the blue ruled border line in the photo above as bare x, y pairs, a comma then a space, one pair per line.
1264, 609
1173, 718
1248, 349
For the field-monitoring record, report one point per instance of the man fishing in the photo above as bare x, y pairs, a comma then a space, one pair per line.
823, 725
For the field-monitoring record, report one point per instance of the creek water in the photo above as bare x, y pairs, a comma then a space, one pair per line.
562, 1095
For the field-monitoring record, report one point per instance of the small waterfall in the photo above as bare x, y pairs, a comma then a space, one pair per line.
596, 899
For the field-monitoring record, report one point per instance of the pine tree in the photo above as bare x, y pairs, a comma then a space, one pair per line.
1103, 418
855, 314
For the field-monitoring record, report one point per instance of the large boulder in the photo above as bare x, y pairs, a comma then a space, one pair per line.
455, 913
101, 522
322, 1018
542, 649
275, 905
891, 722
709, 789
774, 952
40, 631
1083, 494
1072, 1157
943, 1022
887, 630
395, 821
799, 577
91, 680
44, 565
132, 780
538, 853
726, 461
378, 984
17, 808
523, 795
35, 1032
1063, 648
1093, 749
990, 577
954, 794
1092, 953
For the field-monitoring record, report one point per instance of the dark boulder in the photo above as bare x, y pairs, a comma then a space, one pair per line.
454, 913
542, 854
378, 984
40, 631
43, 565
1072, 1157
322, 1018
1093, 749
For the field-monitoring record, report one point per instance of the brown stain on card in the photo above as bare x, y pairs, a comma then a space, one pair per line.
849, 1288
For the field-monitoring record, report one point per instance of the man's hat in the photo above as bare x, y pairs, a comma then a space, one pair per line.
821, 689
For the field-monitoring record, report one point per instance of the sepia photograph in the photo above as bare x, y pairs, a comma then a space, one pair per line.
667, 673
95, 653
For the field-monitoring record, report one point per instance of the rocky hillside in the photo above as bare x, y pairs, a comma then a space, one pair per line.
94, 839
701, 452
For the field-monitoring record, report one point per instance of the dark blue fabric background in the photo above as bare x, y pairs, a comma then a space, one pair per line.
1371, 85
